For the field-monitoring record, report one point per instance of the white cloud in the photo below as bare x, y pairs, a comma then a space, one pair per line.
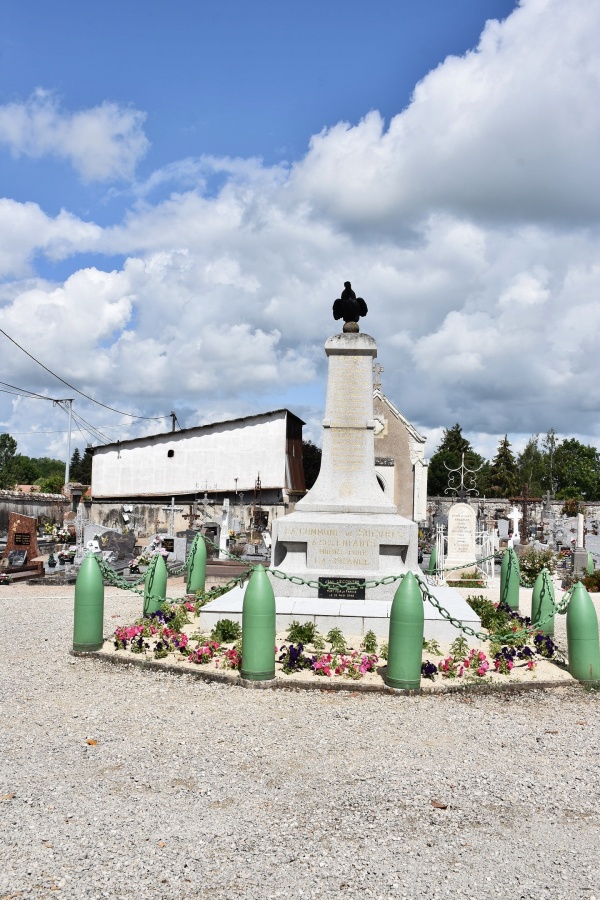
104, 143
470, 225
508, 133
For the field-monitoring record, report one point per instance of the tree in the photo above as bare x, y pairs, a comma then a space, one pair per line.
576, 470
24, 469
449, 454
311, 459
75, 465
52, 484
8, 449
502, 476
532, 468
549, 445
85, 469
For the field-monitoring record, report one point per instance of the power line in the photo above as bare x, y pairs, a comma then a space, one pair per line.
87, 396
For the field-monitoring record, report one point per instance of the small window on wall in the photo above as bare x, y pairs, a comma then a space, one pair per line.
170, 453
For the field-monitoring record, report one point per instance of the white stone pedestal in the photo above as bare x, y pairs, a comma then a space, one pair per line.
345, 527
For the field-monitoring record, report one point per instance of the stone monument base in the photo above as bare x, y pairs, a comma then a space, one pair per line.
353, 617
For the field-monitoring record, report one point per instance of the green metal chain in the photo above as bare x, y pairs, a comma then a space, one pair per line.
483, 636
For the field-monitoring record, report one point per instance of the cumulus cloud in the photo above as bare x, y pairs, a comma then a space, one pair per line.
103, 143
506, 133
469, 223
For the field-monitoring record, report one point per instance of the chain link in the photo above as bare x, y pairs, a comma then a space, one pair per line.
113, 578
525, 633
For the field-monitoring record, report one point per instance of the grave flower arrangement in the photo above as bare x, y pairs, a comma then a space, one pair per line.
155, 547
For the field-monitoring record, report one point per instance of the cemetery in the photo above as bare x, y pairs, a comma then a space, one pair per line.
344, 598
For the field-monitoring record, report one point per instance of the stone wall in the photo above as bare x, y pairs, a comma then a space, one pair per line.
499, 508
48, 507
148, 517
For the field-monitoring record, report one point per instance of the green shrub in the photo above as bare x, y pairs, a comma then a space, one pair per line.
304, 633
226, 631
369, 644
337, 641
493, 618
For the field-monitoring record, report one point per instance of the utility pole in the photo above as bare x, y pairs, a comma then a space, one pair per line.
174, 418
68, 463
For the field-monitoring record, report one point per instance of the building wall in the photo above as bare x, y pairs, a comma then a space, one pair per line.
49, 507
209, 458
396, 440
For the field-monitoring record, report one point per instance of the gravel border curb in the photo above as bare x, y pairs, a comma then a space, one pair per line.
335, 687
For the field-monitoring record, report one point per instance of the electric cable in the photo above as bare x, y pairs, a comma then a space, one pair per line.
87, 396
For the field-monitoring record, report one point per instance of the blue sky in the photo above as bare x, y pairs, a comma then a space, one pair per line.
186, 187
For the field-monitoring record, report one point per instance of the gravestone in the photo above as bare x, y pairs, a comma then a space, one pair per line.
224, 532
120, 544
462, 523
514, 516
22, 535
580, 554
17, 557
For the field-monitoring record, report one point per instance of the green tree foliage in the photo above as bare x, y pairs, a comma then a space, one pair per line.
24, 469
8, 449
576, 470
311, 459
80, 467
532, 468
47, 466
52, 484
85, 470
502, 476
449, 454
16, 468
75, 465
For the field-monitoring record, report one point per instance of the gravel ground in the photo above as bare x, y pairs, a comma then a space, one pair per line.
205, 790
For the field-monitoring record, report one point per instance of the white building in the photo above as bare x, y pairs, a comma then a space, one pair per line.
207, 464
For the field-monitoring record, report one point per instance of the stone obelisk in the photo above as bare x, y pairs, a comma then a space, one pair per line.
345, 527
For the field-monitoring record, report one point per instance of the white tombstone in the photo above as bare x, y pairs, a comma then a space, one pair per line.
514, 517
224, 533
580, 539
462, 527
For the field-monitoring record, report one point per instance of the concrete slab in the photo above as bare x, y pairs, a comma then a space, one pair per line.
353, 617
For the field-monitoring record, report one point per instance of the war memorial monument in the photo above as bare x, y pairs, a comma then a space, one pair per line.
345, 537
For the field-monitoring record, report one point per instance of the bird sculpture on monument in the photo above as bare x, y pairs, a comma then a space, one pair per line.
350, 308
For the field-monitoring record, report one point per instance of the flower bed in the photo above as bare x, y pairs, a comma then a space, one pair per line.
171, 635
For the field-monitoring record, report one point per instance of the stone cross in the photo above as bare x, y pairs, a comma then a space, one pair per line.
377, 369
81, 520
515, 516
172, 509
224, 533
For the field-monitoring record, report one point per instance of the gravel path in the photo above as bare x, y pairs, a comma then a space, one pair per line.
203, 790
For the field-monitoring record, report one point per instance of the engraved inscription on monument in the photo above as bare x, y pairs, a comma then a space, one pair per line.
22, 539
342, 588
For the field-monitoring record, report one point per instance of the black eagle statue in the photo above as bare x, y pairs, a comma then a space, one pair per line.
350, 308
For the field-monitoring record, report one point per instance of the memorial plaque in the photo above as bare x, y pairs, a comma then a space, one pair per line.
341, 588
115, 542
21, 533
190, 534
17, 557
169, 544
